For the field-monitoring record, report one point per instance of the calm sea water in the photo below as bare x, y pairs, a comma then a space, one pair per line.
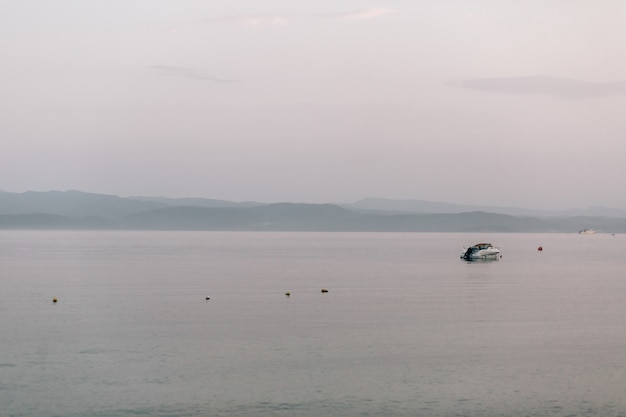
406, 328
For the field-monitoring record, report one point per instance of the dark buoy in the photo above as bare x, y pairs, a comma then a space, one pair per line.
324, 290
54, 300
208, 298
288, 293
540, 248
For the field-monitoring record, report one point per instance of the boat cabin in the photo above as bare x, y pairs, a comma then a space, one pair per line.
481, 246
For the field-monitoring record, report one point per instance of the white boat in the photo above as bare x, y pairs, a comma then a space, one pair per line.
481, 251
586, 232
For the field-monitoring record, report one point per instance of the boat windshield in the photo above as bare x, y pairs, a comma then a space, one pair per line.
483, 245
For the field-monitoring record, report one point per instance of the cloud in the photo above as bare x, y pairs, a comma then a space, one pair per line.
188, 73
365, 14
255, 21
551, 86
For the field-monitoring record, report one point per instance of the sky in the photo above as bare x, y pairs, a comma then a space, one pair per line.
486, 102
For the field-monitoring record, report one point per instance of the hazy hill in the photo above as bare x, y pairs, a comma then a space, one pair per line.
79, 204
327, 217
382, 205
72, 204
41, 221
281, 216
196, 202
407, 206
78, 210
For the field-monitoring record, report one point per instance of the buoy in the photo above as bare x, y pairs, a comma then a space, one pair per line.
208, 298
324, 290
287, 293
54, 300
540, 248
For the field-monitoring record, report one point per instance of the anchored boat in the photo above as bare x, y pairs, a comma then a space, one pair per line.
480, 251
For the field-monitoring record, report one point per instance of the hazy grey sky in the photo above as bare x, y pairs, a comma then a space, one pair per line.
469, 101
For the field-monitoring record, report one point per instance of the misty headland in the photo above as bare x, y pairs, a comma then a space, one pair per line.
76, 210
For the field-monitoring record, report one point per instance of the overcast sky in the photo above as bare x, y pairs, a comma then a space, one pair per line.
511, 103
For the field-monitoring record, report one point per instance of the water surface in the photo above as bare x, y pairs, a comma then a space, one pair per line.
406, 329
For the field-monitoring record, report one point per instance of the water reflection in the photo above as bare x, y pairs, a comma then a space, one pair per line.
481, 260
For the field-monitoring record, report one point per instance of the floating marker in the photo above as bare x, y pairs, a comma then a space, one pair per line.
54, 300
324, 290
287, 293
540, 248
208, 298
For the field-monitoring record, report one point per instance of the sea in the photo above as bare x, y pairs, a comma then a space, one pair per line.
166, 323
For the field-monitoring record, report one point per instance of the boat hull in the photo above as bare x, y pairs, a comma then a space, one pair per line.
483, 254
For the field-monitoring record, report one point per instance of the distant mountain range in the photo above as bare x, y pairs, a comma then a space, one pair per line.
419, 206
80, 210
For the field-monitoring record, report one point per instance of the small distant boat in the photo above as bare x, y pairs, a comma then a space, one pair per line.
586, 232
481, 251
